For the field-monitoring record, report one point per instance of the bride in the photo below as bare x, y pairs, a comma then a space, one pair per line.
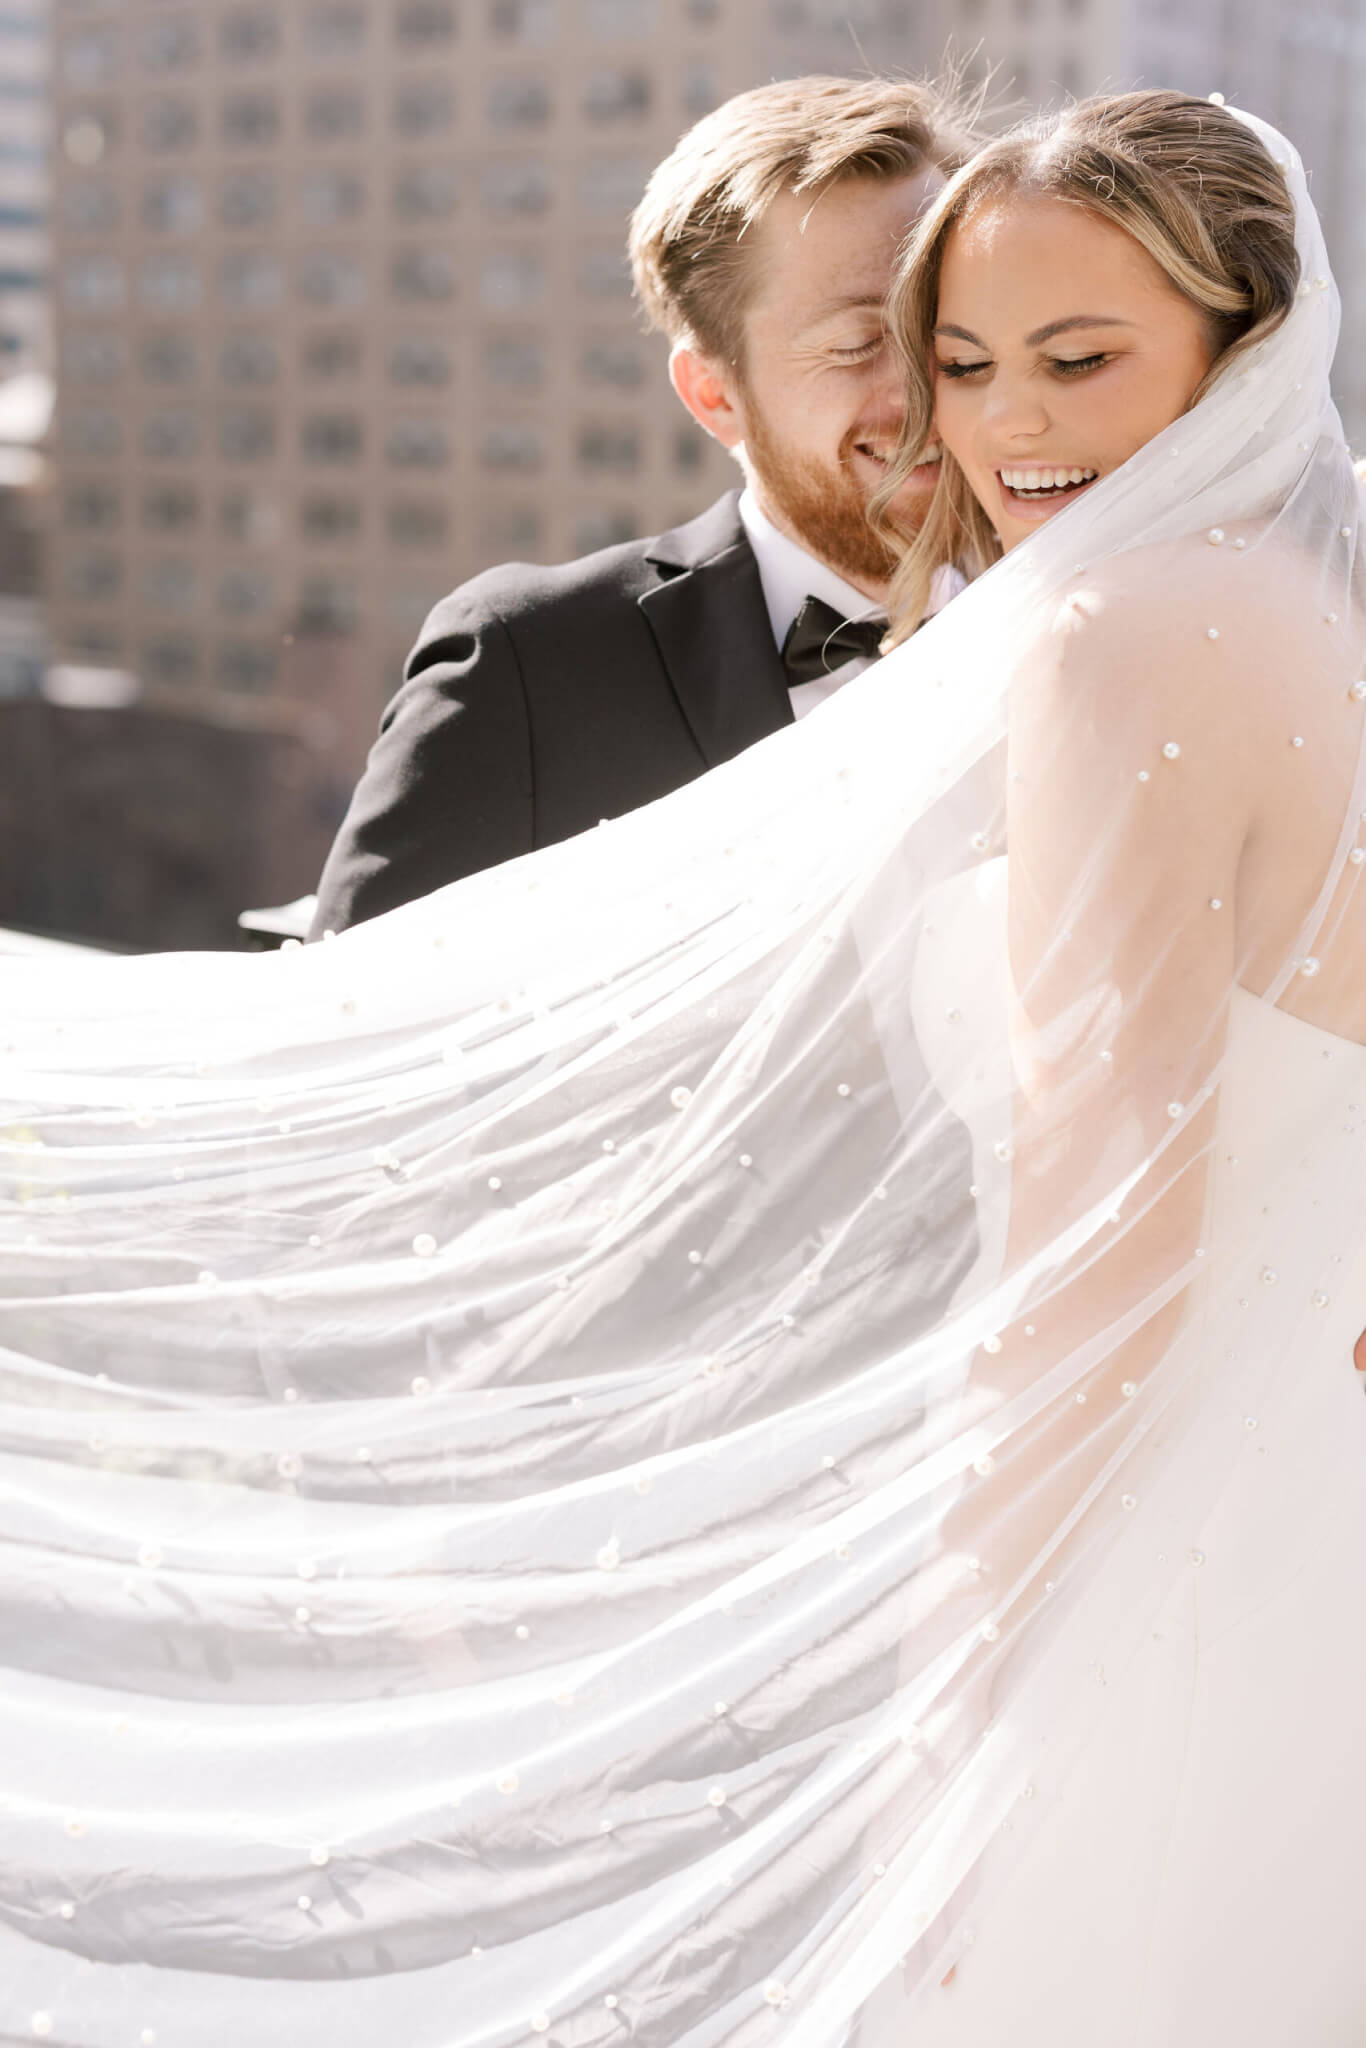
704, 1431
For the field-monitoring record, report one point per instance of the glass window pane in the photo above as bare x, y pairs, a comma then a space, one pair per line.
91, 507
522, 188
327, 604
92, 57
423, 107
425, 274
604, 527
331, 437
250, 119
512, 532
169, 43
248, 359
245, 591
334, 114
609, 449
93, 282
90, 430
92, 576
603, 272
616, 95
326, 197
92, 358
170, 663
249, 277
247, 199
517, 360
511, 278
250, 516
610, 361
417, 444
171, 434
167, 358
511, 444
167, 584
425, 23
245, 667
247, 34
418, 523
611, 185
329, 519
615, 20
518, 100
335, 29
91, 208
331, 277
169, 124
425, 192
332, 355
420, 361
168, 281
173, 205
521, 21
246, 433
170, 507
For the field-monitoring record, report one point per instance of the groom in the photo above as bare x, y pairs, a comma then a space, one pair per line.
538, 701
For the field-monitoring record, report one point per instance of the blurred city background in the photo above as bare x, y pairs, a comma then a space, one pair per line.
311, 308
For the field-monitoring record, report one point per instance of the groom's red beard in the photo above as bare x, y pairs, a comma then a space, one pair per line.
825, 505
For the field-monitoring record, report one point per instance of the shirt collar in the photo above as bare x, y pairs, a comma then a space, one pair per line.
789, 574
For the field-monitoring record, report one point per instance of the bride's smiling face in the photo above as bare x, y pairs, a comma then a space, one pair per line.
1061, 347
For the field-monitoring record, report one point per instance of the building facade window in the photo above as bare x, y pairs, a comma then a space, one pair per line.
245, 667
91, 207
330, 277
689, 450
332, 437
329, 519
603, 450
248, 359
332, 355
92, 57
420, 361
167, 584
246, 433
169, 662
250, 120
169, 42
327, 198
169, 124
522, 21
518, 100
245, 591
417, 444
247, 199
91, 430
327, 604
170, 434
515, 360
519, 189
423, 275
615, 364
604, 527
334, 114
512, 531
91, 507
168, 281
419, 523
701, 88
249, 516
92, 575
170, 508
172, 205
604, 272
425, 24
510, 279
423, 107
609, 186
512, 445
168, 358
89, 357
335, 29
425, 192
615, 94
612, 21
93, 282
248, 35
249, 277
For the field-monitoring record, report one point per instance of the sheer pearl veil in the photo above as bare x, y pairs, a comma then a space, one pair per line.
570, 1458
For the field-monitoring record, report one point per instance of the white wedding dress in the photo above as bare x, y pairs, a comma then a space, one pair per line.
1198, 1880
667, 1442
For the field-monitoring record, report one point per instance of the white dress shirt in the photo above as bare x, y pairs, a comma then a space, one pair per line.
789, 575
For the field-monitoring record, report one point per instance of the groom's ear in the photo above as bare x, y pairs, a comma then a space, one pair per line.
707, 390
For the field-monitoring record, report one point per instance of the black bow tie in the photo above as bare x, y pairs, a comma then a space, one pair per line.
819, 641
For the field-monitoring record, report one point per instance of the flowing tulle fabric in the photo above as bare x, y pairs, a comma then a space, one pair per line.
568, 1460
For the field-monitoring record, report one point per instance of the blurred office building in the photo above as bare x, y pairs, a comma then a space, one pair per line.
344, 315
25, 327
1301, 67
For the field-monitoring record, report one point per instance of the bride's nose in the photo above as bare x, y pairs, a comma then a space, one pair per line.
1012, 409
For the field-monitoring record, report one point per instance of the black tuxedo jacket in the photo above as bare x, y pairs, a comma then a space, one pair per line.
538, 701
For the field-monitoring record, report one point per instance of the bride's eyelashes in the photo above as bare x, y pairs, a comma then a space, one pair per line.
1061, 366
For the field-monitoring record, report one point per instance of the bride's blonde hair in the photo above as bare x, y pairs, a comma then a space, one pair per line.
1188, 180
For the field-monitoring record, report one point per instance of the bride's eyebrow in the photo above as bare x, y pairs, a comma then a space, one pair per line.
1046, 333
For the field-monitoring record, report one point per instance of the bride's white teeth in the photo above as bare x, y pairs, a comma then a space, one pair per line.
1045, 479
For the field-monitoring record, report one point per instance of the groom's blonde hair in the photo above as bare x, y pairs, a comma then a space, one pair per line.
691, 235
1194, 187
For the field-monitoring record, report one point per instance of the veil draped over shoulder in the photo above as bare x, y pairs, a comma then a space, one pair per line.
569, 1460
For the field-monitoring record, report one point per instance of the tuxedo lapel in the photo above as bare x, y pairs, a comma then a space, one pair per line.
711, 626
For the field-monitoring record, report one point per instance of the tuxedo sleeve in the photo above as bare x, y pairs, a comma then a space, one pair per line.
448, 788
